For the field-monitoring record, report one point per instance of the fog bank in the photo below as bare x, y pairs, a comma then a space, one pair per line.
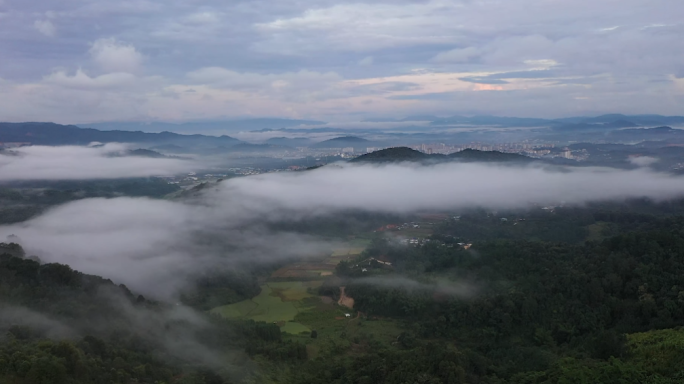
155, 246
108, 161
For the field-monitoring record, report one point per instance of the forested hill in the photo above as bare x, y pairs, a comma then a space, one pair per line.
60, 326
474, 155
392, 155
56, 134
399, 154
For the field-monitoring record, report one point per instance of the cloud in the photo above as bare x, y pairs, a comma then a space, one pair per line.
12, 315
114, 56
73, 162
483, 80
202, 18
643, 161
157, 246
447, 186
80, 80
359, 27
268, 39
366, 61
45, 27
150, 325
217, 77
459, 55
497, 78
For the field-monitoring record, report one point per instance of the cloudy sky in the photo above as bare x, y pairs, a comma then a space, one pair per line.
76, 61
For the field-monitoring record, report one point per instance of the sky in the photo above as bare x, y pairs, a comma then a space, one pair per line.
78, 61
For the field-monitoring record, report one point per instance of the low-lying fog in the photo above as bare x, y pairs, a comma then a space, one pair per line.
155, 246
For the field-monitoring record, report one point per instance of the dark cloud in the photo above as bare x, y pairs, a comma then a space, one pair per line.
498, 78
483, 80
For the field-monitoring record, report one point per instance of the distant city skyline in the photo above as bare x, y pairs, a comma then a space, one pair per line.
151, 60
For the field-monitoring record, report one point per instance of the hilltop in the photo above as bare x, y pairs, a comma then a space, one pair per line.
392, 155
399, 154
474, 155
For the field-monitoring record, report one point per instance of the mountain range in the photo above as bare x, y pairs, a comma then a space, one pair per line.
503, 121
56, 134
203, 126
615, 128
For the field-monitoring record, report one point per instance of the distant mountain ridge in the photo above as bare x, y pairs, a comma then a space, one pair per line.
494, 120
203, 126
56, 134
289, 142
617, 124
401, 154
342, 142
605, 120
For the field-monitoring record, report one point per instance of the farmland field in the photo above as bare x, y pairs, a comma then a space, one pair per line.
288, 293
277, 303
312, 270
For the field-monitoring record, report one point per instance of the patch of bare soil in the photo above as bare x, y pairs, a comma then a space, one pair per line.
345, 300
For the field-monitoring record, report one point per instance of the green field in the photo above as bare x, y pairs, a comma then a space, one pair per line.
295, 328
297, 312
277, 303
292, 290
337, 332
